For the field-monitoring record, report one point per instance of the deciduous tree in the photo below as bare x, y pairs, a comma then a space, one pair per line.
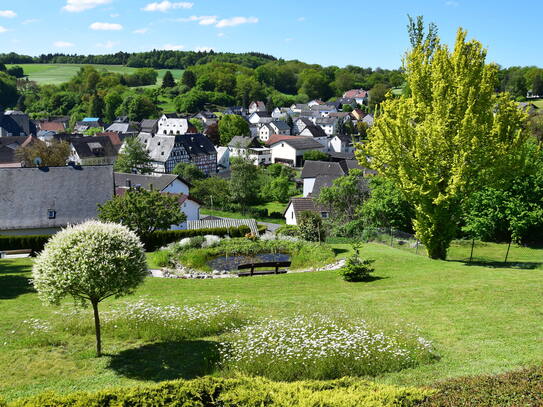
133, 158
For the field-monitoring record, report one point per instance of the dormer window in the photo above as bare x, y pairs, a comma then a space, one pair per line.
51, 214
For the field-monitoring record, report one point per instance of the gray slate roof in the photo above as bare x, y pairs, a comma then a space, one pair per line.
84, 146
73, 192
281, 125
302, 143
313, 169
304, 204
159, 182
244, 142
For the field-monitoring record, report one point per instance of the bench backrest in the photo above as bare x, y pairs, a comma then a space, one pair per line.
264, 264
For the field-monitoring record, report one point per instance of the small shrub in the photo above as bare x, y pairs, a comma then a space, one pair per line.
287, 230
160, 258
320, 348
311, 227
357, 269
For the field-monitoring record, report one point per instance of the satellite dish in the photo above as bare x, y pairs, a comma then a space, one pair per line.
37, 161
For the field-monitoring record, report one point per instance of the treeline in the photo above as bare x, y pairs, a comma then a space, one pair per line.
520, 81
158, 59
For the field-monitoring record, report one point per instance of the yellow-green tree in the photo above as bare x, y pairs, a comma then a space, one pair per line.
450, 135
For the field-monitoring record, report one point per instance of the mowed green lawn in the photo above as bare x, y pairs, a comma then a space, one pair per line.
481, 320
54, 74
538, 103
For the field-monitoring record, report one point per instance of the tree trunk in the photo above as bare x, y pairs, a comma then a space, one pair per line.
97, 328
435, 227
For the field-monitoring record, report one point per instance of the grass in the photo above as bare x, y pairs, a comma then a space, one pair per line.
237, 215
55, 74
538, 103
480, 319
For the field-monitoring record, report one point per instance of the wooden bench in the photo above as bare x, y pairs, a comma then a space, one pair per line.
4, 253
276, 265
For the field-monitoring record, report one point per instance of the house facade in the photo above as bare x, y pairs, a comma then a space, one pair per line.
290, 149
173, 124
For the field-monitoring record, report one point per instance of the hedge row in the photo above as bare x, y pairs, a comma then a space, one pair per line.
153, 242
241, 391
520, 388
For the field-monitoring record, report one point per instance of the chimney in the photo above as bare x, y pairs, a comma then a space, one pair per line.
129, 183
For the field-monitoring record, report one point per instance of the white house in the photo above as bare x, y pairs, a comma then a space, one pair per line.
250, 148
165, 183
260, 117
315, 169
257, 106
280, 127
172, 124
264, 132
323, 110
328, 124
315, 102
298, 205
341, 143
290, 149
280, 113
359, 95
317, 133
300, 124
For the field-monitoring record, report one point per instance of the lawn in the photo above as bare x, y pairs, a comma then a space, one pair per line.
481, 320
272, 207
54, 74
538, 103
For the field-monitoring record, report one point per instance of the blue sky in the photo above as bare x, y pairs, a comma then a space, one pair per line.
359, 32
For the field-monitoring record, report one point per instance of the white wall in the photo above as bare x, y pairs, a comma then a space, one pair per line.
283, 151
308, 186
192, 210
177, 187
290, 216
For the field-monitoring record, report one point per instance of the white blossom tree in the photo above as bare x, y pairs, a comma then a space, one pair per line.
91, 261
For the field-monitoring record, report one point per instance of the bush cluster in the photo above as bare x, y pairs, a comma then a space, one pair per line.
519, 388
240, 391
356, 268
34, 242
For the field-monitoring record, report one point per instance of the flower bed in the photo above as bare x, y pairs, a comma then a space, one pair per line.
320, 348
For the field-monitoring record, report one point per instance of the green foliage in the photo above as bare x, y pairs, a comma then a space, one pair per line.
90, 262
8, 90
356, 268
244, 181
517, 388
53, 154
15, 71
386, 206
188, 171
287, 230
196, 100
451, 136
377, 94
168, 81
112, 101
212, 191
137, 107
198, 124
143, 211
33, 242
133, 157
314, 84
241, 391
311, 227
188, 79
232, 125
315, 155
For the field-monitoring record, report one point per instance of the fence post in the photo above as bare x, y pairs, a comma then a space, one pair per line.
391, 241
417, 247
507, 254
471, 254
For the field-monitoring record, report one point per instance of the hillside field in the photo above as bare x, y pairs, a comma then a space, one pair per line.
480, 319
54, 74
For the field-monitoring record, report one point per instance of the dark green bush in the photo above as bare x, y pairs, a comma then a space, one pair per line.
288, 230
356, 268
34, 242
276, 215
520, 388
240, 391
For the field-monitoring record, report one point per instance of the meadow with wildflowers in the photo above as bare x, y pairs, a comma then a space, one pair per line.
477, 319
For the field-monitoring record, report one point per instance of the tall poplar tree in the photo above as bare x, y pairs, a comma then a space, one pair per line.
449, 136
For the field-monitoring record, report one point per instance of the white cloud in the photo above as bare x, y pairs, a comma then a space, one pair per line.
452, 3
234, 21
63, 44
106, 26
76, 6
8, 13
203, 49
140, 31
167, 5
300, 19
31, 21
171, 47
3, 29
202, 20
220, 35
107, 44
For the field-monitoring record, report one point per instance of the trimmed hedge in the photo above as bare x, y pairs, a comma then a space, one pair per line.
241, 391
163, 237
153, 242
519, 388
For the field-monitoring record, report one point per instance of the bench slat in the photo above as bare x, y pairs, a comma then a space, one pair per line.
264, 264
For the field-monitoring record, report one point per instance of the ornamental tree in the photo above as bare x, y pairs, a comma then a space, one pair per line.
143, 211
449, 136
133, 157
90, 262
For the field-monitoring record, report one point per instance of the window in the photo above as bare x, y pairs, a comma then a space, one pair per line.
51, 214
324, 215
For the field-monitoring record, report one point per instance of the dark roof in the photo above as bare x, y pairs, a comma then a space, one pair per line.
97, 146
316, 131
244, 142
148, 125
322, 181
340, 156
159, 182
313, 169
305, 204
262, 114
17, 123
73, 192
281, 125
9, 145
304, 143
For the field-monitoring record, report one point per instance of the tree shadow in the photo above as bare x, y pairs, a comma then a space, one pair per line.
7, 267
13, 286
338, 250
167, 360
524, 265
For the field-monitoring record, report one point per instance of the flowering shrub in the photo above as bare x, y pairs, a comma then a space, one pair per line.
144, 320
320, 348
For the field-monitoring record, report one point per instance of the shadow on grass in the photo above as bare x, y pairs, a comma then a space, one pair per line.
167, 360
7, 267
13, 286
525, 265
338, 250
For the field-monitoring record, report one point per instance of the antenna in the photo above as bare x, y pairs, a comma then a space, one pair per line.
37, 161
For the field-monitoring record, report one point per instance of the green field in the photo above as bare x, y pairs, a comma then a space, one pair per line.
538, 103
54, 74
481, 320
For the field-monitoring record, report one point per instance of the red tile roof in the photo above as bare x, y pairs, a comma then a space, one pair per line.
355, 94
52, 126
274, 138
